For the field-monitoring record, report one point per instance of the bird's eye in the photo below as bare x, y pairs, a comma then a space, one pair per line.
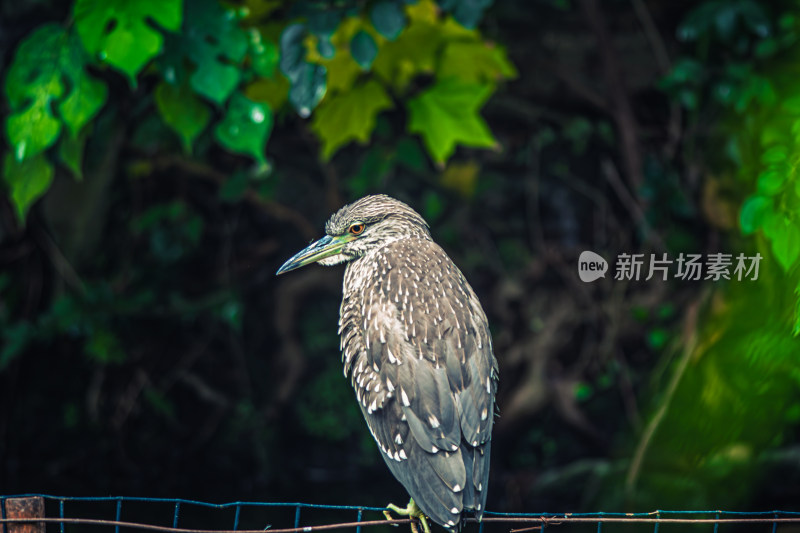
356, 229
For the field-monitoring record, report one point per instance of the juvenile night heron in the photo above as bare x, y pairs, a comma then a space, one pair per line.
415, 343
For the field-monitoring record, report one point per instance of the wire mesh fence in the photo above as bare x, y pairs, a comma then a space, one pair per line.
40, 513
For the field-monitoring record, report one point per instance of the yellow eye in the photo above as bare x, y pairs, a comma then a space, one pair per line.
356, 229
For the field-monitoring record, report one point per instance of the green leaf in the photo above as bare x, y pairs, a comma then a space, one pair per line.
468, 13
84, 101
349, 116
767, 48
787, 247
698, 21
754, 16
775, 154
264, 54
186, 114
323, 18
725, 20
293, 52
70, 153
785, 236
796, 328
308, 88
216, 45
325, 47
583, 391
791, 105
686, 70
272, 91
308, 81
35, 66
47, 66
119, 32
32, 130
447, 114
770, 181
104, 347
388, 18
246, 127
657, 338
475, 62
414, 52
363, 49
16, 337
753, 213
27, 180
342, 69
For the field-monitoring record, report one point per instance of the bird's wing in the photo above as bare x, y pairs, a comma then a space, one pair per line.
419, 353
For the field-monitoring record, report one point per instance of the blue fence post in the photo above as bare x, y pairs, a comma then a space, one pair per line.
716, 524
175, 516
358, 529
119, 514
297, 517
655, 527
775, 524
236, 517
61, 514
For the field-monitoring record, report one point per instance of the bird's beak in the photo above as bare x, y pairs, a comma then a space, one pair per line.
325, 247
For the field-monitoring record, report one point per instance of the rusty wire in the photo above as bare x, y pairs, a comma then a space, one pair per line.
547, 521
153, 527
30, 509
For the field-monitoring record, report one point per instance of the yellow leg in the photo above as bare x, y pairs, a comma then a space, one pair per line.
412, 511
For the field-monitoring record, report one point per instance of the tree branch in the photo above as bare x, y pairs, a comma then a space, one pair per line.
622, 110
277, 210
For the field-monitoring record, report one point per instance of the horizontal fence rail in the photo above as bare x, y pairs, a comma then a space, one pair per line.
26, 513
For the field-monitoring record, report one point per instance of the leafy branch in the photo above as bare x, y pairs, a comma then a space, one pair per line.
215, 70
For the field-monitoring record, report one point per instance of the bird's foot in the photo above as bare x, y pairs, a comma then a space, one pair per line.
413, 512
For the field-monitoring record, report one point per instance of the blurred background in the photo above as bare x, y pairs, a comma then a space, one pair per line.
162, 159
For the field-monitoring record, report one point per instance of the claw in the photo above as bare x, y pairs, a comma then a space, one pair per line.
411, 511
389, 516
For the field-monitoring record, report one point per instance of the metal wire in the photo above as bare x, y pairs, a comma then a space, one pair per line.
544, 522
535, 521
165, 529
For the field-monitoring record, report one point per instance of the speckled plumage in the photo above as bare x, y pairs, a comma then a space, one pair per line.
416, 346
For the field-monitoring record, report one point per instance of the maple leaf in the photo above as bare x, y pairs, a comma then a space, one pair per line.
447, 114
349, 116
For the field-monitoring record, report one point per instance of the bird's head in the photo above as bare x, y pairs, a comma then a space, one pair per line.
357, 228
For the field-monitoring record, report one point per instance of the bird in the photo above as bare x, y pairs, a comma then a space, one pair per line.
417, 350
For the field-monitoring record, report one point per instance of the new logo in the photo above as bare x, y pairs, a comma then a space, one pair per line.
591, 266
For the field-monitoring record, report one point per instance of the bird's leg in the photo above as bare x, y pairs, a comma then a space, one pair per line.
412, 511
